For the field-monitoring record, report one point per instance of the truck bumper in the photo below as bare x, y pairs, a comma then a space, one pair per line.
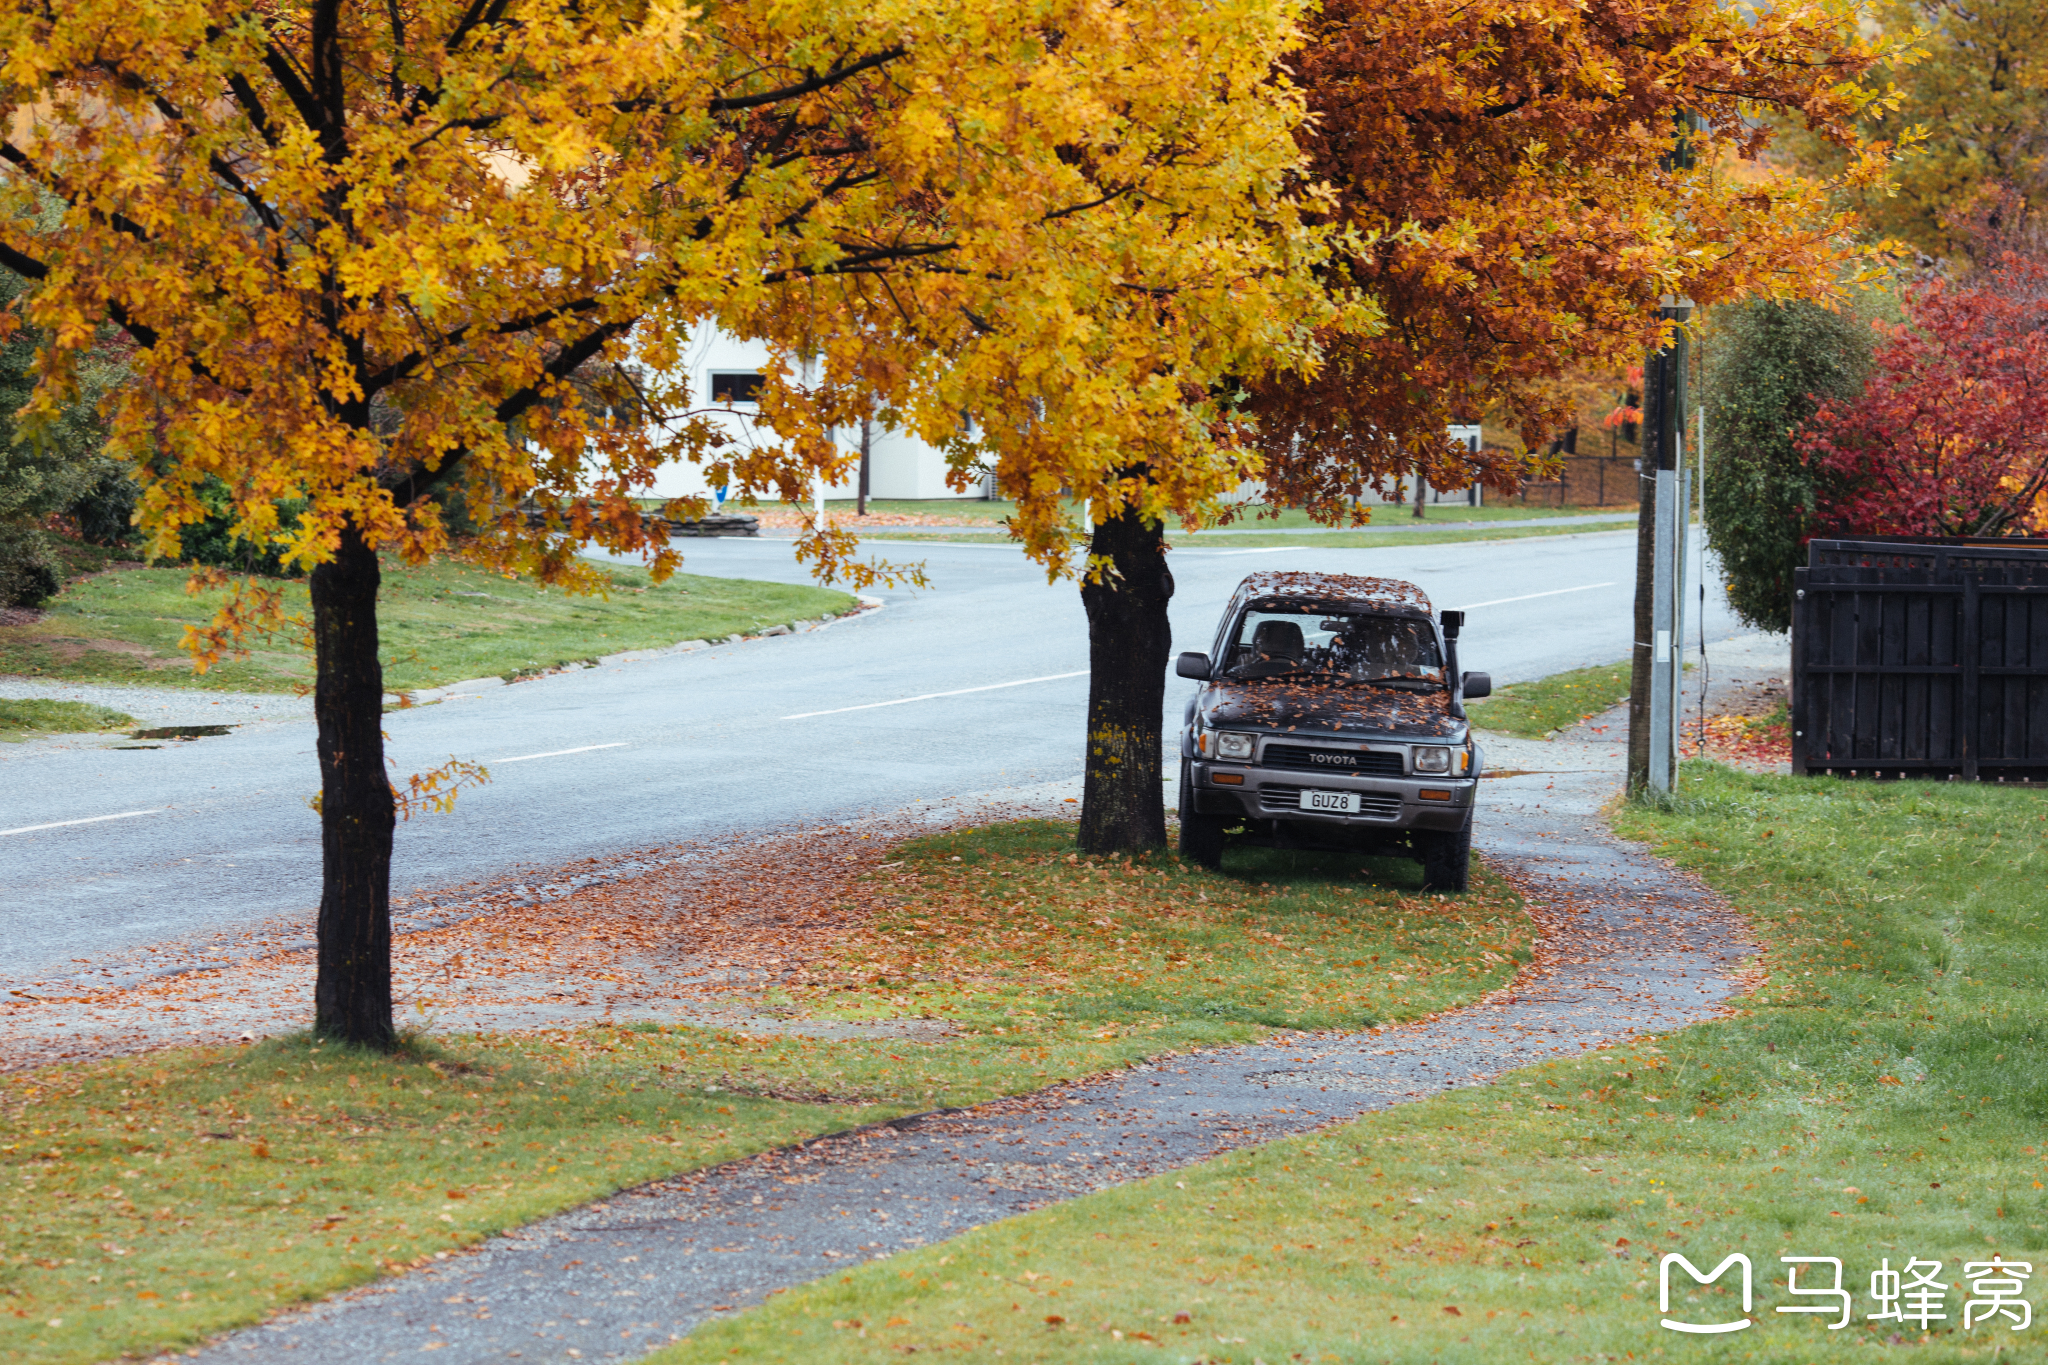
1389, 803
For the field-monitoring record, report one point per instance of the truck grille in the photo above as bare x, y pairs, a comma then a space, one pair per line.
1304, 759
1372, 805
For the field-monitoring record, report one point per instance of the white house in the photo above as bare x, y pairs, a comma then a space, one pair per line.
725, 372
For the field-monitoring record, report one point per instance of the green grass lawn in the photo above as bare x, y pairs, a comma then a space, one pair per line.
996, 925
27, 718
972, 509
1532, 710
1232, 538
1448, 513
994, 512
152, 1201
1881, 1096
441, 622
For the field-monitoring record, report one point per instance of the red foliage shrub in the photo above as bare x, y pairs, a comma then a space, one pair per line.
1950, 434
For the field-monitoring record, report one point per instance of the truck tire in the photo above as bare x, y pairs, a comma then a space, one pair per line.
1446, 860
1201, 836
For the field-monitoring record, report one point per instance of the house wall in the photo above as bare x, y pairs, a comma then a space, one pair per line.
1469, 436
900, 465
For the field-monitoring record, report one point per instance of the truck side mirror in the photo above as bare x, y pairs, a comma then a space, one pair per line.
1477, 685
1192, 665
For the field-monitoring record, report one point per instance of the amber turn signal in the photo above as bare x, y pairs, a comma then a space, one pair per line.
1229, 779
1432, 794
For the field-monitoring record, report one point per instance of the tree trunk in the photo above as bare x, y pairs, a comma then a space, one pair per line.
867, 427
1122, 810
352, 997
1421, 490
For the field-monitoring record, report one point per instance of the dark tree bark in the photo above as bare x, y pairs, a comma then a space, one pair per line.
867, 428
1122, 808
352, 996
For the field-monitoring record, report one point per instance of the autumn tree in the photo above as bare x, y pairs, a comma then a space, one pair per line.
365, 252
1505, 180
1527, 185
1945, 436
1975, 110
1508, 174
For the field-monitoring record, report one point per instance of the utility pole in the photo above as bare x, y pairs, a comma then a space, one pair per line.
1658, 659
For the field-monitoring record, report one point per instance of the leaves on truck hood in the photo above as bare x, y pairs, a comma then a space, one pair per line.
1326, 709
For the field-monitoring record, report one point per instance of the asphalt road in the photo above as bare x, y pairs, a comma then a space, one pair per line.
705, 745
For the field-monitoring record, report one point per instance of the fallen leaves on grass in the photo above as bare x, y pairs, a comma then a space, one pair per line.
1756, 743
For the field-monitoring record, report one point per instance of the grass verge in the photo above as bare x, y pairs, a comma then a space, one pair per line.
1007, 923
440, 622
1443, 512
1532, 710
1879, 1098
995, 512
1339, 540
155, 1200
1367, 539
27, 717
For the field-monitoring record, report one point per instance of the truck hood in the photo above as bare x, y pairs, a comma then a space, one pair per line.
1340, 710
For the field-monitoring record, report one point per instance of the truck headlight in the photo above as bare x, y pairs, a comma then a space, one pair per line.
1233, 746
1432, 760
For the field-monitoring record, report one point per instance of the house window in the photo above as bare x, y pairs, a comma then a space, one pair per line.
735, 388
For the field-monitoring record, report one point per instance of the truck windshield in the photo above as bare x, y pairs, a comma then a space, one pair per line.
1321, 645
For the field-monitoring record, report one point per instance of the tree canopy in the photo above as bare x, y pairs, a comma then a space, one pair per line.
1944, 438
1975, 113
1524, 183
437, 212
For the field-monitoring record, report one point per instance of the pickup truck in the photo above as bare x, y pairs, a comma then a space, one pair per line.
1331, 716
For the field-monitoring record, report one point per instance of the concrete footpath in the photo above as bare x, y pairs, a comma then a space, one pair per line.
1629, 946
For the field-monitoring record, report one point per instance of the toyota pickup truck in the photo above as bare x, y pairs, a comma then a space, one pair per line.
1330, 716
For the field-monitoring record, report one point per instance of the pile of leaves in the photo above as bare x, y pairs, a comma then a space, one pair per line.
1757, 743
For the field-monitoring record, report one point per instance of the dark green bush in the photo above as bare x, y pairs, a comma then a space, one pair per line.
212, 541
1767, 364
105, 512
28, 575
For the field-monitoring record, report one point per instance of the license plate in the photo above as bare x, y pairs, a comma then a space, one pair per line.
1333, 803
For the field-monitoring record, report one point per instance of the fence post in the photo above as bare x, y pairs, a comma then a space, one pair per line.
1795, 695
1973, 653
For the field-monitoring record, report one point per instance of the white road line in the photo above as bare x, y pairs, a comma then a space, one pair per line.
956, 692
1530, 597
88, 820
557, 753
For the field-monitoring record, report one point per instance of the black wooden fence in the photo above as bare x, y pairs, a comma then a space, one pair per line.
1921, 658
